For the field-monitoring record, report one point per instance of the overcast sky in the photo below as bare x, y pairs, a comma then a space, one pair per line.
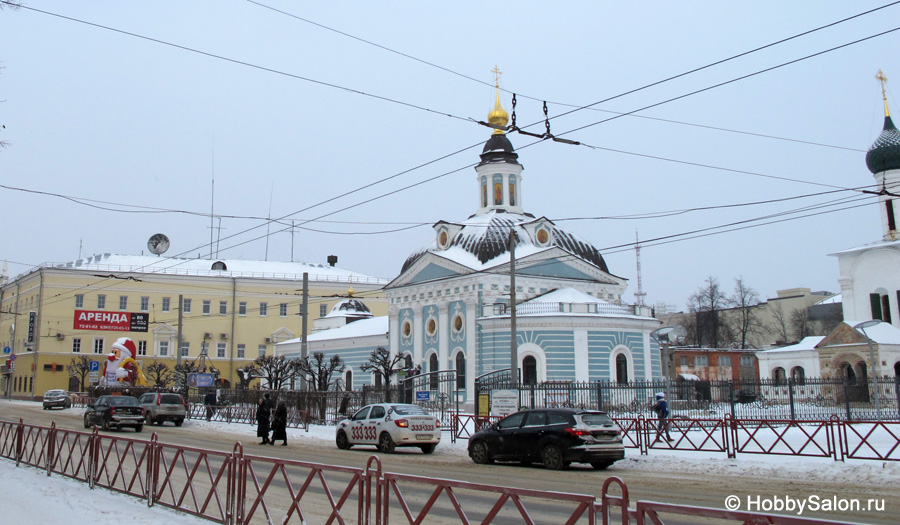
121, 110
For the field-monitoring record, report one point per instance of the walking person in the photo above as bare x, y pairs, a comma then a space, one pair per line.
209, 401
279, 424
262, 420
661, 408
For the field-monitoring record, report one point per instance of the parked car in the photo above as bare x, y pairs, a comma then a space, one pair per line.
160, 407
554, 437
390, 425
57, 399
744, 396
115, 412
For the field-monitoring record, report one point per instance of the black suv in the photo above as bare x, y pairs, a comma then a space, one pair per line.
554, 437
115, 411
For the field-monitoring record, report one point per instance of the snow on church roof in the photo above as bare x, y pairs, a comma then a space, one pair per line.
232, 268
362, 328
807, 343
881, 333
483, 242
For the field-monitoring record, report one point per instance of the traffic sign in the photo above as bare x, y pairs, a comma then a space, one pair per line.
94, 366
7, 349
94, 377
423, 395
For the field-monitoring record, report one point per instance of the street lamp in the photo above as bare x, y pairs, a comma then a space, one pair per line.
862, 326
664, 351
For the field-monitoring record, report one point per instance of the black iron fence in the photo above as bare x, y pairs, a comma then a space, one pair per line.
810, 399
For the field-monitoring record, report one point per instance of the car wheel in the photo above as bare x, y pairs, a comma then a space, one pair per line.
480, 454
601, 465
149, 418
178, 422
87, 422
105, 424
386, 444
428, 449
138, 428
552, 458
342, 442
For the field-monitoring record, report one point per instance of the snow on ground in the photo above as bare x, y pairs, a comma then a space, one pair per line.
74, 502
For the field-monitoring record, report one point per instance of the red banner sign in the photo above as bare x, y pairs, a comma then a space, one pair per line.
110, 321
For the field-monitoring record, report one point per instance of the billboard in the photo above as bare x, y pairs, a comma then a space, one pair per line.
201, 380
110, 321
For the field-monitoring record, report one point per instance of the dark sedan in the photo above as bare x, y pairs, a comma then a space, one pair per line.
554, 437
115, 412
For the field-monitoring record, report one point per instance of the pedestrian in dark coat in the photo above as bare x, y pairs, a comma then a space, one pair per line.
661, 408
209, 401
262, 421
279, 424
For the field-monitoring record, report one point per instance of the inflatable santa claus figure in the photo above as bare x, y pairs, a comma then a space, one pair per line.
121, 369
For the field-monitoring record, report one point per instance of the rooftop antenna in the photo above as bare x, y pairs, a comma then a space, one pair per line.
212, 198
269, 220
639, 294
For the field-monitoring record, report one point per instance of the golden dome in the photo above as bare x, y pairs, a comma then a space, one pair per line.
498, 116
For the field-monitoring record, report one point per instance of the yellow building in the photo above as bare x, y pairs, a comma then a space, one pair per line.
234, 311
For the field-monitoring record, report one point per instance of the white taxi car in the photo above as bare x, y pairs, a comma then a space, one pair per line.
390, 425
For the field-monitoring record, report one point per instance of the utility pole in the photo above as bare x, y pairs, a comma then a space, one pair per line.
304, 350
180, 336
513, 343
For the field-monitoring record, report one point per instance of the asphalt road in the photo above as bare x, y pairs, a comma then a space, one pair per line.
684, 488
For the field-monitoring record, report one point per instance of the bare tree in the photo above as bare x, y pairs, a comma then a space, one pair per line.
159, 374
276, 370
744, 313
182, 372
80, 368
383, 365
318, 370
800, 323
780, 328
706, 305
245, 375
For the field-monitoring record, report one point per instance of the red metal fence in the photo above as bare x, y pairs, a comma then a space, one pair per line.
236, 488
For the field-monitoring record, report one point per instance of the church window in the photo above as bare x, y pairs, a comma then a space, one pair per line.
529, 370
457, 323
433, 367
484, 202
889, 204
443, 238
798, 375
881, 306
621, 368
407, 329
512, 190
542, 236
348, 380
779, 376
431, 326
498, 189
460, 371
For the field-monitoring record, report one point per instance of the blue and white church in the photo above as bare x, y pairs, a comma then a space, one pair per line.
449, 308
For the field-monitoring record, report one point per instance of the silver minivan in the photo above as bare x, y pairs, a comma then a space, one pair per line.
160, 407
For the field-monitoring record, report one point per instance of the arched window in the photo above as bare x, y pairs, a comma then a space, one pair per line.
512, 190
848, 373
897, 368
798, 375
460, 371
407, 360
779, 376
529, 370
621, 368
484, 202
348, 380
433, 367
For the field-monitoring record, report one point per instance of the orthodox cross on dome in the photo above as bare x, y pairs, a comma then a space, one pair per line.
883, 80
496, 71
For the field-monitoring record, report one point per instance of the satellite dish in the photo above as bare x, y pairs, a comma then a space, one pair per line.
158, 244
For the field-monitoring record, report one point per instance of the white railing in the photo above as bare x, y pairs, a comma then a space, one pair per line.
574, 308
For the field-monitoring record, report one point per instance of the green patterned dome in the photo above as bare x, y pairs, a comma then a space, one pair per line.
884, 154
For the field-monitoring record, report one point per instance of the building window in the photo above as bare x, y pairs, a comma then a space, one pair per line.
262, 350
79, 300
323, 310
724, 360
461, 371
223, 307
746, 360
145, 303
142, 348
242, 308
798, 375
282, 309
98, 345
621, 369
163, 348
881, 307
241, 350
220, 350
186, 306
207, 307
76, 345
101, 302
700, 360
684, 360
779, 376
263, 309
123, 302
166, 304
185, 348
433, 367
